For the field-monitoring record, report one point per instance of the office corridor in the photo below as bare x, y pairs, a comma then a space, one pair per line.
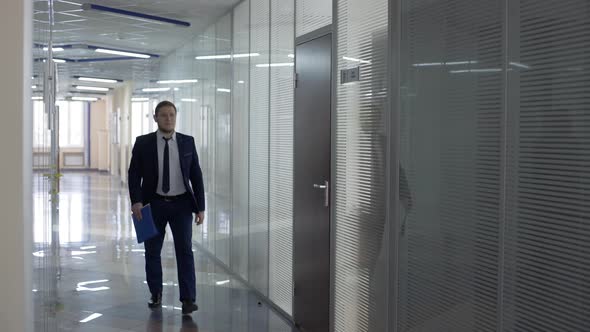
99, 281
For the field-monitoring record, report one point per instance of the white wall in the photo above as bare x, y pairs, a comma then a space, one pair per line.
16, 146
99, 136
119, 103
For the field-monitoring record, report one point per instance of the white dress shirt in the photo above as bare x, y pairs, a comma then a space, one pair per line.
176, 182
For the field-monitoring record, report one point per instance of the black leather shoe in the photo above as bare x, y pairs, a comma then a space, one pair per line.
155, 301
188, 307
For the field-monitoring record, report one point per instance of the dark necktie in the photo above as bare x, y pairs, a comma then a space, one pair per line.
166, 170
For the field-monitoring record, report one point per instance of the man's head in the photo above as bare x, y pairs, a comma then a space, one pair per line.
165, 116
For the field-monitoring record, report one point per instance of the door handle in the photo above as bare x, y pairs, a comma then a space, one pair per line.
326, 188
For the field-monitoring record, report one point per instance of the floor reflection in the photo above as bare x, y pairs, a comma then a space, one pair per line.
95, 281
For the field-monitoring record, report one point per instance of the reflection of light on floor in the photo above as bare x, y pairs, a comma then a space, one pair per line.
91, 317
87, 247
79, 253
175, 308
223, 282
82, 286
71, 220
35, 290
165, 284
78, 257
39, 253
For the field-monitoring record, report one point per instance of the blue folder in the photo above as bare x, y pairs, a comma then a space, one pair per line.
145, 228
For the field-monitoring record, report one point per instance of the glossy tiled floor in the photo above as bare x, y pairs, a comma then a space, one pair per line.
94, 280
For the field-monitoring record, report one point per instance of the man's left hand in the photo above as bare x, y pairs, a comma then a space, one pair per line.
200, 217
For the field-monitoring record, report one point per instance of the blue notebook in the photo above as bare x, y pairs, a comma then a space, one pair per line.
145, 228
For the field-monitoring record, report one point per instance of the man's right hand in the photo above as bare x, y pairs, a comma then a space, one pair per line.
136, 209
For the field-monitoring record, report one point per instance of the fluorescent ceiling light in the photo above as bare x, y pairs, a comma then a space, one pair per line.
140, 99
355, 59
223, 90
130, 54
223, 282
91, 317
241, 82
245, 55
85, 99
59, 60
429, 64
176, 89
87, 247
490, 70
37, 98
91, 88
520, 65
455, 63
33, 86
226, 56
70, 2
93, 79
176, 81
154, 89
212, 57
452, 63
55, 49
292, 56
266, 65
189, 100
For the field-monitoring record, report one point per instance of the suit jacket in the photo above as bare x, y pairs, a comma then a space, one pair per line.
143, 170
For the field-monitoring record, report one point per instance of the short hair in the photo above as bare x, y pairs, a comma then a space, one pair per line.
164, 104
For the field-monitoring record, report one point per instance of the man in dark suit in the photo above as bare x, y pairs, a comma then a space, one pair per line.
165, 173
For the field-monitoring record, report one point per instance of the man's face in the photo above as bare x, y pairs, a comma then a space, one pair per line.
166, 119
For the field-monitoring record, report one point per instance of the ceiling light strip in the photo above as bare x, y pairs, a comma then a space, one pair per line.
111, 10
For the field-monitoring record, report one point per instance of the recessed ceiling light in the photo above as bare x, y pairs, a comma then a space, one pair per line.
139, 99
129, 54
55, 49
91, 88
177, 81
226, 56
223, 90
188, 100
85, 98
155, 89
93, 79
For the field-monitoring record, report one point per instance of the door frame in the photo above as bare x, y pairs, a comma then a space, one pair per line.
318, 33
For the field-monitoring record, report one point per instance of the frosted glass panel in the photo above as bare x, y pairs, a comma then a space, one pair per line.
240, 129
281, 155
312, 15
259, 144
359, 189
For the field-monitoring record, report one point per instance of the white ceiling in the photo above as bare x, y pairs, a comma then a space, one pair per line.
74, 26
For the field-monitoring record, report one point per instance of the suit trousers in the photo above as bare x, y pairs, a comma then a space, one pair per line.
178, 213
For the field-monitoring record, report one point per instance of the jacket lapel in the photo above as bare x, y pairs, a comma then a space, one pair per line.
154, 148
180, 143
